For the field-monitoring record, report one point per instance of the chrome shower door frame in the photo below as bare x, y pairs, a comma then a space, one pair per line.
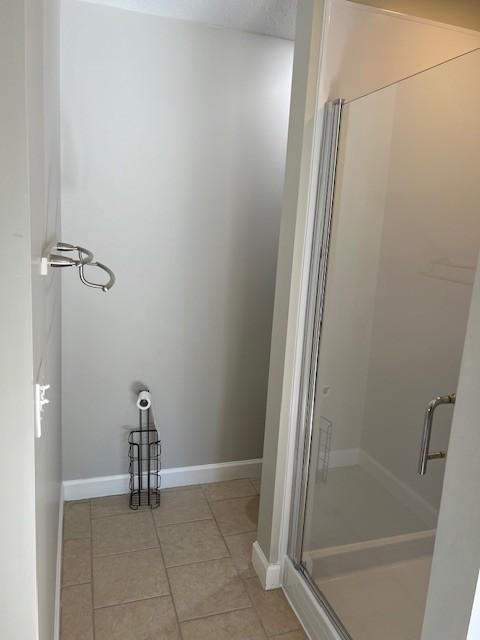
311, 346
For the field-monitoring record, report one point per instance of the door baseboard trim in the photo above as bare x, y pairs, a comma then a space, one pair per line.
58, 578
174, 477
269, 574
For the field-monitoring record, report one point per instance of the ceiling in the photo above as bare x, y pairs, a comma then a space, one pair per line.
268, 17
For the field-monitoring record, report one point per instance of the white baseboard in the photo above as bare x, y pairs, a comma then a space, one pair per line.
58, 578
268, 574
175, 477
314, 620
405, 494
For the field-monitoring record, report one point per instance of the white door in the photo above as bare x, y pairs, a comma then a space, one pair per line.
18, 597
456, 558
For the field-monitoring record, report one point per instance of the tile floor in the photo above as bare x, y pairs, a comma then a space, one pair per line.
181, 571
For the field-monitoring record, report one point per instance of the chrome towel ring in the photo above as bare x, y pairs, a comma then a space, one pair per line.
85, 258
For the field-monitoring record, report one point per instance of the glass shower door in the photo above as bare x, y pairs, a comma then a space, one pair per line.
396, 258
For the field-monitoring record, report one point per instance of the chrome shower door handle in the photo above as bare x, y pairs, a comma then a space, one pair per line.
425, 454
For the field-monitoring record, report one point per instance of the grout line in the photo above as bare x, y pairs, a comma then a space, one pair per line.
122, 604
191, 564
61, 575
168, 579
224, 536
222, 613
91, 569
244, 578
134, 513
250, 495
195, 562
130, 512
75, 584
233, 533
253, 605
174, 524
120, 553
219, 613
125, 553
239, 533
214, 501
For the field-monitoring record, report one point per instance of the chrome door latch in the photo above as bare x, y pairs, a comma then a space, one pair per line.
425, 453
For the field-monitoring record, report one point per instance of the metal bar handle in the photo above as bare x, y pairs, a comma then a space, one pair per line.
95, 285
425, 454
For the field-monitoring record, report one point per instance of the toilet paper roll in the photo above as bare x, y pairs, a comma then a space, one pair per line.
144, 400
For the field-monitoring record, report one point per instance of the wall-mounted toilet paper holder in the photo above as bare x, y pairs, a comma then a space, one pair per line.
85, 258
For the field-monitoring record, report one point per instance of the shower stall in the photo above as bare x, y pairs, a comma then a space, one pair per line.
395, 247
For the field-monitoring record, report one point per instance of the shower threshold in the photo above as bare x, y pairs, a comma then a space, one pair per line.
377, 588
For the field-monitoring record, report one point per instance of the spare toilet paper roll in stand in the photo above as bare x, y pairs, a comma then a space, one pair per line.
144, 400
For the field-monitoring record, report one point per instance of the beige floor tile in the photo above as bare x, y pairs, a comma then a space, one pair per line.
275, 613
293, 635
230, 489
256, 483
240, 547
152, 619
191, 542
183, 487
76, 616
110, 506
128, 577
182, 505
238, 515
236, 625
119, 534
77, 562
76, 520
207, 588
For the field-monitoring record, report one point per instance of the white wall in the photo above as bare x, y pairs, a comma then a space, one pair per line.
457, 549
43, 112
286, 337
265, 17
29, 170
18, 617
174, 140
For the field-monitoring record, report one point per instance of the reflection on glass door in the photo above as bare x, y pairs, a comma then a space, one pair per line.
393, 302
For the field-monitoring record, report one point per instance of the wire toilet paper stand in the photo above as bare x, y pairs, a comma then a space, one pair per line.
144, 449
